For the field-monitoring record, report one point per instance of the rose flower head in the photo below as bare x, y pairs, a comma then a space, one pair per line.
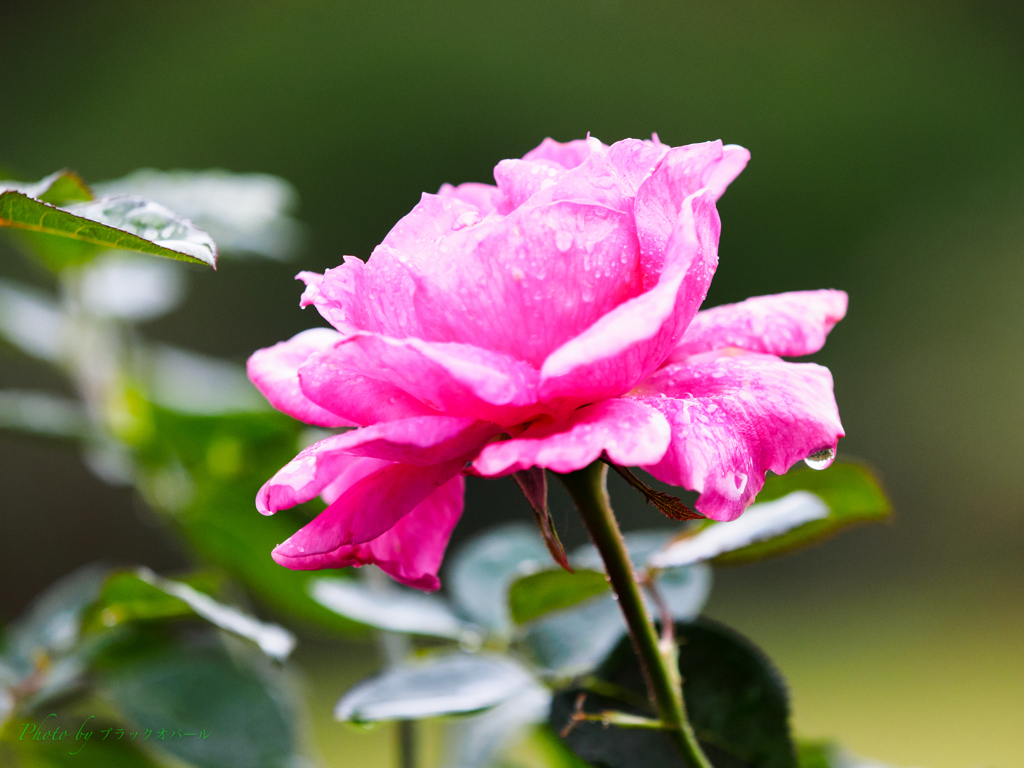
546, 321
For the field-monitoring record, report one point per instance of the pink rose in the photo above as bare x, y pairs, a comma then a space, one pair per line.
543, 322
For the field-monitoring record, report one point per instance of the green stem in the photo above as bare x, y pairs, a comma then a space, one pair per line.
589, 490
407, 743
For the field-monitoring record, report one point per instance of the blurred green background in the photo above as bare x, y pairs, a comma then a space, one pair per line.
888, 160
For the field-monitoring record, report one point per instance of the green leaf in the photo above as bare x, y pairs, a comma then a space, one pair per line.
144, 595
817, 754
535, 595
852, 491
736, 700
64, 188
440, 685
245, 715
125, 223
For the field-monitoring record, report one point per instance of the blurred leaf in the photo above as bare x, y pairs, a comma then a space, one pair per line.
551, 750
42, 414
185, 381
480, 573
226, 459
735, 698
852, 491
533, 596
817, 754
391, 609
58, 188
127, 286
33, 322
574, 641
760, 523
440, 685
478, 739
243, 212
534, 484
247, 719
125, 223
52, 624
144, 595
75, 750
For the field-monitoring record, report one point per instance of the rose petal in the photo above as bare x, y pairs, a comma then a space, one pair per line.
568, 154
455, 379
786, 324
629, 432
526, 283
682, 171
735, 415
274, 372
420, 441
628, 343
484, 197
410, 552
367, 509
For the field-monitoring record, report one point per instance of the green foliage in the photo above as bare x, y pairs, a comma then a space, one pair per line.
735, 698
18, 749
535, 595
854, 496
246, 716
225, 459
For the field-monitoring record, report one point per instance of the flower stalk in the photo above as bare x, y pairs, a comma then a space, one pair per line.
588, 488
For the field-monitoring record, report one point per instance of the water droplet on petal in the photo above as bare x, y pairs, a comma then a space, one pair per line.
563, 240
821, 458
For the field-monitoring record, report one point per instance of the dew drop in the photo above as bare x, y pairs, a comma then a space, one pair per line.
821, 458
563, 240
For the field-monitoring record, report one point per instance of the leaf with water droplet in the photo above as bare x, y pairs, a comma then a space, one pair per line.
125, 223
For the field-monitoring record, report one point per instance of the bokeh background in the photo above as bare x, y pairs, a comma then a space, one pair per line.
888, 160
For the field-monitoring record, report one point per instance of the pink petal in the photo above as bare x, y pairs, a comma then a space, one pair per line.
411, 551
455, 379
484, 197
419, 441
568, 154
629, 432
367, 509
734, 416
682, 171
274, 372
628, 343
786, 324
526, 283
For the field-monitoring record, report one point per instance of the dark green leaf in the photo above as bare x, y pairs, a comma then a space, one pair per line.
735, 698
247, 720
535, 595
853, 493
124, 223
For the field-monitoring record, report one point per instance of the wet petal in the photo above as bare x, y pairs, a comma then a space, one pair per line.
786, 324
735, 416
411, 375
628, 343
629, 432
410, 552
274, 372
419, 441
